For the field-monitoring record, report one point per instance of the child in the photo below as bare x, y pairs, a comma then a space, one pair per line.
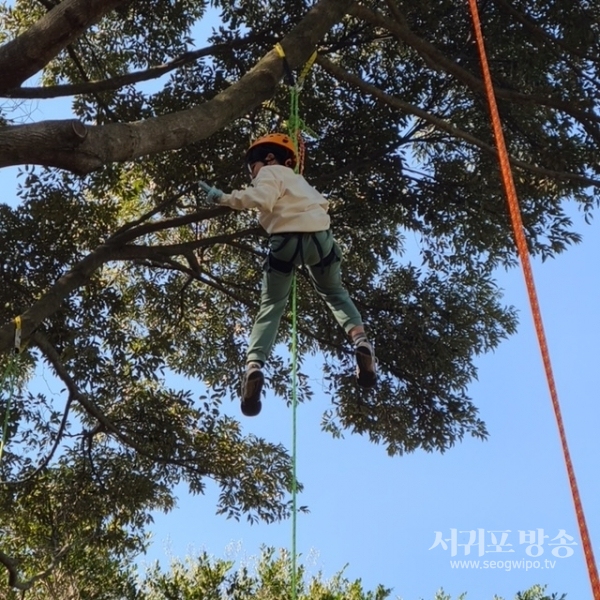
295, 216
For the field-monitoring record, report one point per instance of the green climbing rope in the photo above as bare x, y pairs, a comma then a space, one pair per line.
294, 567
295, 128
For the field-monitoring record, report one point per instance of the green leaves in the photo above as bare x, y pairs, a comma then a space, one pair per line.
139, 298
206, 578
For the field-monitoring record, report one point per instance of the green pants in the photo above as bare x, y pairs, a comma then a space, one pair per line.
320, 253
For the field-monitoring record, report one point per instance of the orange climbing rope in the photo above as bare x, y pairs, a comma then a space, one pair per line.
517, 225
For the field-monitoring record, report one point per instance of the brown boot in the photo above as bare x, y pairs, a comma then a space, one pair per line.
252, 384
366, 369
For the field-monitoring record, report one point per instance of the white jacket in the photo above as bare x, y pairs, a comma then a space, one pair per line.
286, 202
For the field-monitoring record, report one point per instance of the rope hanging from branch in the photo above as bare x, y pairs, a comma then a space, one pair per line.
295, 127
521, 242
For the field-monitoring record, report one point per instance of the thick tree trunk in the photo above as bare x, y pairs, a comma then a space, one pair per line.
82, 148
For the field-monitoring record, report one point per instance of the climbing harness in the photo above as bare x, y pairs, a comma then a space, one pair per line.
295, 128
300, 239
518, 230
10, 378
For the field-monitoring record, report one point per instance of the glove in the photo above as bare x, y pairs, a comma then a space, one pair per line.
213, 194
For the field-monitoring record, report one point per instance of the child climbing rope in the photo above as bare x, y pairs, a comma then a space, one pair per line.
294, 215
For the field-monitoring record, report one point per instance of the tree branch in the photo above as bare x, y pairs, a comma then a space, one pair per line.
31, 51
114, 83
442, 125
79, 65
138, 252
118, 142
44, 463
128, 234
52, 300
114, 249
158, 208
53, 358
437, 60
13, 573
539, 32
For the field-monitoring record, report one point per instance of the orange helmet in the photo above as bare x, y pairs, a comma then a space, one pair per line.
279, 139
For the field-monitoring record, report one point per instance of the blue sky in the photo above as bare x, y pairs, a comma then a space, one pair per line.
379, 515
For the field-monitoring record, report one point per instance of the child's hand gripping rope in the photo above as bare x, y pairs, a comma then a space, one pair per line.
213, 194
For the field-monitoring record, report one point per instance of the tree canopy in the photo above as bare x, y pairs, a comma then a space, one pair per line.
121, 274
204, 577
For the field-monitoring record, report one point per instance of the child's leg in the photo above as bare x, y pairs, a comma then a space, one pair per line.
275, 291
357, 334
274, 295
328, 284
